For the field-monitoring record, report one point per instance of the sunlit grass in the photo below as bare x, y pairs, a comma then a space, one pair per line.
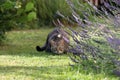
20, 61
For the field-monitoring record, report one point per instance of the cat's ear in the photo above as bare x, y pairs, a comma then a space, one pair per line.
59, 35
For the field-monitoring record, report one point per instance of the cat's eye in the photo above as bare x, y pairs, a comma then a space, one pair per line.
59, 35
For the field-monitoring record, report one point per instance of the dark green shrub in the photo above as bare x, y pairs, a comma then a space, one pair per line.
14, 13
46, 10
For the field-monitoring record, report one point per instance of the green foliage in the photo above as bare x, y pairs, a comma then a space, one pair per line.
1, 36
15, 13
29, 6
7, 5
46, 10
31, 16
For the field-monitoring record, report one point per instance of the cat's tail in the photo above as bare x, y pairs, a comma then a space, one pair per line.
46, 46
38, 48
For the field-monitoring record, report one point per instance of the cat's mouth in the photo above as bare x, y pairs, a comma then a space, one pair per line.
58, 50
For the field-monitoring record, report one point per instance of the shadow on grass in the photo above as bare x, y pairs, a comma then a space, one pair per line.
19, 50
47, 72
27, 50
44, 72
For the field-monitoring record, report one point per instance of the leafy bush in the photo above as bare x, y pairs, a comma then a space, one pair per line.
15, 13
46, 10
94, 31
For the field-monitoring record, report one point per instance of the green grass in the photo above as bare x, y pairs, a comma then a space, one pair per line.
20, 61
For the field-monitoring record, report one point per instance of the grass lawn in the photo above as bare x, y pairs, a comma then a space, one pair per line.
20, 61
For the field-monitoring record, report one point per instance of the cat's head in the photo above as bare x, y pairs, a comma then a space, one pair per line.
58, 44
